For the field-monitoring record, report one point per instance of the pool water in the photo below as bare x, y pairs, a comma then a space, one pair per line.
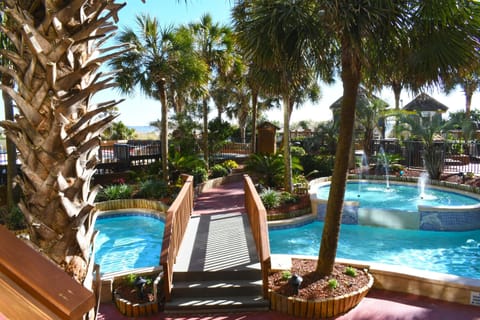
398, 196
127, 242
456, 253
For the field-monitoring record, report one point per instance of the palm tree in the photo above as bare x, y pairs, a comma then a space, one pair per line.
214, 44
350, 31
7, 80
274, 42
162, 64
56, 62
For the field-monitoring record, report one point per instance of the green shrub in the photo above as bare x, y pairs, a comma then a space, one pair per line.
317, 166
200, 175
114, 192
287, 197
333, 283
153, 189
351, 271
286, 275
218, 171
270, 198
297, 151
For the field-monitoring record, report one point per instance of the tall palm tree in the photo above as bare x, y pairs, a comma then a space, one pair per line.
214, 44
275, 41
162, 63
356, 33
57, 55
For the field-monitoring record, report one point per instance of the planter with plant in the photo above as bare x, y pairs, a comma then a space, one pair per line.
301, 292
136, 295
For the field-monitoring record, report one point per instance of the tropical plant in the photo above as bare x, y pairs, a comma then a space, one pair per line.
428, 130
115, 192
162, 63
56, 61
153, 189
270, 198
214, 45
268, 169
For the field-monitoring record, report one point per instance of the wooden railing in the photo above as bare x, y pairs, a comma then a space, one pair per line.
176, 223
257, 215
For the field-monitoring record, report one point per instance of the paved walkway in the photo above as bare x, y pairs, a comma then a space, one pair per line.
227, 200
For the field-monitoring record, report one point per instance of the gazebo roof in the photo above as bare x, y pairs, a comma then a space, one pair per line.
424, 102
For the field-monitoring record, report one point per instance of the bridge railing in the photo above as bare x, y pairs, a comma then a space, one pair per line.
257, 215
178, 216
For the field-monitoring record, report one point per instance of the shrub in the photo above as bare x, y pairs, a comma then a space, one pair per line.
200, 175
350, 271
269, 169
114, 192
230, 164
317, 166
153, 189
297, 151
333, 283
218, 171
286, 275
287, 197
270, 198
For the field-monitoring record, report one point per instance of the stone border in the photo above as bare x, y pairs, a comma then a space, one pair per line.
132, 204
324, 308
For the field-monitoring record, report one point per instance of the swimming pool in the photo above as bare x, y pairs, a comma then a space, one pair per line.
128, 241
456, 253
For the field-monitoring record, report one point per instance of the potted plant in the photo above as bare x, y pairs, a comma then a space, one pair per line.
137, 295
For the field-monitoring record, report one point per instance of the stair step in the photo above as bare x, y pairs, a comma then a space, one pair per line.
220, 288
216, 275
217, 304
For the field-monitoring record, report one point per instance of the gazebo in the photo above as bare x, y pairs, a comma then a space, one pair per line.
427, 106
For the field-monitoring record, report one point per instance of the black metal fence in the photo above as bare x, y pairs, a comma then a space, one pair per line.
457, 156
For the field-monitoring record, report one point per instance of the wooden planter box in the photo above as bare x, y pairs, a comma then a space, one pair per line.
129, 309
325, 308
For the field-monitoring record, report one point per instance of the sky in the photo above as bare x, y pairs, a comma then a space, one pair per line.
138, 110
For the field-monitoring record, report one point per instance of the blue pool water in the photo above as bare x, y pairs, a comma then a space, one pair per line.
398, 196
456, 253
127, 242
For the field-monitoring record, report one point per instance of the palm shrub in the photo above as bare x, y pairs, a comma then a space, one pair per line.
155, 189
200, 175
270, 198
115, 192
268, 169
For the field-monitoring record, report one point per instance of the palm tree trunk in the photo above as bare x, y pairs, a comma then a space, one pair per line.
206, 154
254, 120
164, 129
288, 183
331, 230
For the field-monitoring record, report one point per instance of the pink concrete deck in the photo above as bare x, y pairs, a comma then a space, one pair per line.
378, 305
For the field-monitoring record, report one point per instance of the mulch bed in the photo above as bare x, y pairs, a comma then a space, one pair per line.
314, 287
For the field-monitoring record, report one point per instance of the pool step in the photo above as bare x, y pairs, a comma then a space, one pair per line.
216, 291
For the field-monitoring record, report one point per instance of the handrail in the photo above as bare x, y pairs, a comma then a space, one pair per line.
257, 215
176, 223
